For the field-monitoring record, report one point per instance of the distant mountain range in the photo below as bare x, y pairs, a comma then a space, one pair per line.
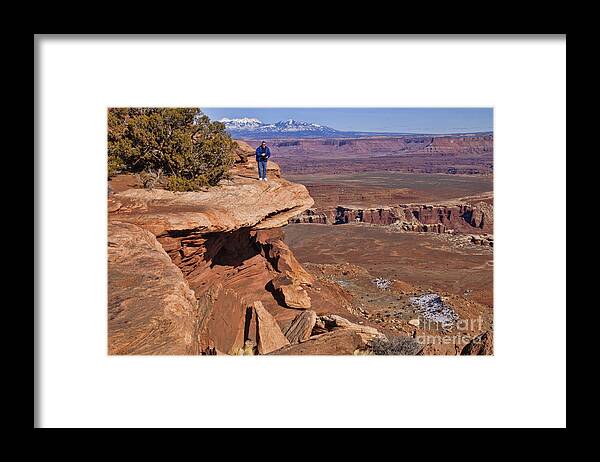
251, 128
254, 128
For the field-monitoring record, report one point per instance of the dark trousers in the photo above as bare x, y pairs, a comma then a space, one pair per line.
262, 168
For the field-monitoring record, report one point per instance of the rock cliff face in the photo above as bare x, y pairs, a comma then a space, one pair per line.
313, 216
462, 218
208, 272
340, 147
151, 308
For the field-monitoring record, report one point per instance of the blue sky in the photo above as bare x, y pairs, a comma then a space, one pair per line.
405, 120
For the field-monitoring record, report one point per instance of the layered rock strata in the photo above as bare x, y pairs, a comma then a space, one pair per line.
462, 218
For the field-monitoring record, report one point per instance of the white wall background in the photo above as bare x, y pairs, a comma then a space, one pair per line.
522, 385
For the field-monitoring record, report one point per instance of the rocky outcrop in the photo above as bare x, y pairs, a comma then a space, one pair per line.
301, 327
270, 337
339, 342
484, 240
461, 218
313, 216
483, 344
436, 218
281, 257
151, 309
208, 272
332, 335
242, 203
291, 293
376, 216
333, 322
222, 321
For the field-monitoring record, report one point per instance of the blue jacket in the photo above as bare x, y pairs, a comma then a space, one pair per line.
259, 151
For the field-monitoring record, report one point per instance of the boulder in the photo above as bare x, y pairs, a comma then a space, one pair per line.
270, 337
338, 342
223, 319
280, 256
301, 327
292, 294
335, 322
243, 151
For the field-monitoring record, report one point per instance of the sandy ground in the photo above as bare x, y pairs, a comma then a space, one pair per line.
427, 260
414, 265
432, 187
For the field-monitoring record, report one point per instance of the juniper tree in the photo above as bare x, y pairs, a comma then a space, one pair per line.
183, 143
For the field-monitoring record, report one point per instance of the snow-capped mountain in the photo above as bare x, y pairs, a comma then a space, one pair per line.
254, 128
292, 125
241, 124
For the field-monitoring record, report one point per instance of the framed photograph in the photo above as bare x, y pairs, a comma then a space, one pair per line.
305, 231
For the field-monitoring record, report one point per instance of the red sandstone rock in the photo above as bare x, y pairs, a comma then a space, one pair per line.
113, 205
281, 257
302, 326
270, 337
324, 216
242, 203
338, 342
335, 322
243, 151
219, 247
291, 293
463, 217
151, 309
223, 320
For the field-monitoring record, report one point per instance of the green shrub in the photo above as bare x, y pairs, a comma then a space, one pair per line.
177, 183
398, 345
183, 143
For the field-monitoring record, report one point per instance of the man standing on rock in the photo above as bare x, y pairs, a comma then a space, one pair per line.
262, 155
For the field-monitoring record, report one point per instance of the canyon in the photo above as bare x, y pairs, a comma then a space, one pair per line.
464, 218
245, 268
389, 237
454, 154
381, 198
